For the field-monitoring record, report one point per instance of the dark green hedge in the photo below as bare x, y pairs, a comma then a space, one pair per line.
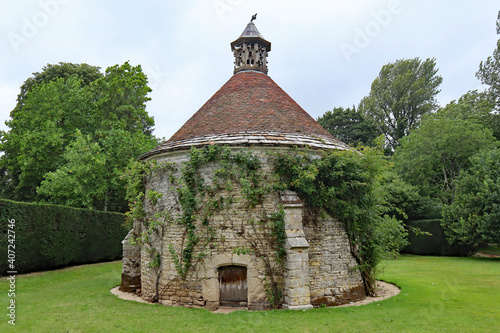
49, 236
435, 245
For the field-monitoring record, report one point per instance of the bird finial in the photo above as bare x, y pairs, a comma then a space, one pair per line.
254, 17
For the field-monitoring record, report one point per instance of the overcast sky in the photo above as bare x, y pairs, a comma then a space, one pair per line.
325, 53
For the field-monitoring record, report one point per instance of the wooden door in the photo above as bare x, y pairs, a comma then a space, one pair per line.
233, 286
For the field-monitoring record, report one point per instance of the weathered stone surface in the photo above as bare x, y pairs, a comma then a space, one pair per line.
131, 263
199, 303
317, 269
296, 275
298, 307
256, 291
212, 306
332, 277
130, 282
297, 242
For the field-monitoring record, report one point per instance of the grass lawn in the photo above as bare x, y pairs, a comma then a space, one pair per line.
438, 294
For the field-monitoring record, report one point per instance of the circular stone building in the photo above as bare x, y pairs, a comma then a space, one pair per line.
251, 113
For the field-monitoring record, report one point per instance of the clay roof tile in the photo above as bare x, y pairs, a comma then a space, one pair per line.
249, 102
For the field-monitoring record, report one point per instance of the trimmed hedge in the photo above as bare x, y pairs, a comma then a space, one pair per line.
49, 236
435, 245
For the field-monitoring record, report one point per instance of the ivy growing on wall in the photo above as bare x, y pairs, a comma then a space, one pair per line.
197, 200
347, 185
343, 184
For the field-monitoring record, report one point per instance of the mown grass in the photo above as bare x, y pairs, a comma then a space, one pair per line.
438, 294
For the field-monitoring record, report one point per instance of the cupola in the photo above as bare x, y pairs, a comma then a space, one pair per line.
250, 50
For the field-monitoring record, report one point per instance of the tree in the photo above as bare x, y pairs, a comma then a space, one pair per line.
40, 131
86, 73
476, 107
80, 181
402, 93
474, 216
121, 97
58, 118
404, 200
489, 71
349, 126
433, 155
10, 143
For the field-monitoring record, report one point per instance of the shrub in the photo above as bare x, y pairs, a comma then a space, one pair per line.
434, 244
49, 236
473, 218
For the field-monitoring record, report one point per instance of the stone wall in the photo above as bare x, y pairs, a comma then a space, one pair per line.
333, 277
131, 261
232, 230
317, 270
297, 290
131, 264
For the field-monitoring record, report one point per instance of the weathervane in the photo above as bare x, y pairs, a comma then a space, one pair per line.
254, 17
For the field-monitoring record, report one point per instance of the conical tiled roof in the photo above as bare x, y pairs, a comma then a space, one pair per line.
249, 101
250, 109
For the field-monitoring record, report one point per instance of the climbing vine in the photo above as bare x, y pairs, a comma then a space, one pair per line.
343, 184
257, 237
346, 185
197, 200
153, 224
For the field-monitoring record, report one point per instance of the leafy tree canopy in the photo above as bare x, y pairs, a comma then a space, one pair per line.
350, 126
40, 131
433, 155
474, 216
64, 116
402, 93
404, 200
475, 107
86, 73
489, 71
81, 178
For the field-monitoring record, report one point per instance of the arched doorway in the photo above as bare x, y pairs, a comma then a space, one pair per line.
233, 286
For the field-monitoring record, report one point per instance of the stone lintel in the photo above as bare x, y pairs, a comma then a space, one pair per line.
296, 243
